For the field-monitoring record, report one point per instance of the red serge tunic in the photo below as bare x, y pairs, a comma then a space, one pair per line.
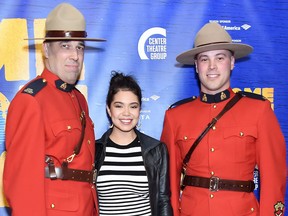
44, 119
247, 135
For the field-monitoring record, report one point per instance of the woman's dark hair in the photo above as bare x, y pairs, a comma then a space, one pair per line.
118, 82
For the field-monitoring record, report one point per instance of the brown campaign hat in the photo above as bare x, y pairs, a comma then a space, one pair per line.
213, 36
65, 22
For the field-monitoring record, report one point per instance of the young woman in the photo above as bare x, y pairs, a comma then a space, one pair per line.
133, 176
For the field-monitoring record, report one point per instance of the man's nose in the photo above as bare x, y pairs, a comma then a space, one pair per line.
74, 54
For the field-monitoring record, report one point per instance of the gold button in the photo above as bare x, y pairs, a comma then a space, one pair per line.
212, 173
92, 186
212, 149
185, 137
52, 205
211, 196
252, 209
241, 134
69, 127
214, 106
214, 128
88, 141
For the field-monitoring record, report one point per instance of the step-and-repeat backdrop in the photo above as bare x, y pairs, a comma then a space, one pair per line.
143, 39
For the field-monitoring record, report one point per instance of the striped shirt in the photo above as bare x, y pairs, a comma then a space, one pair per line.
122, 183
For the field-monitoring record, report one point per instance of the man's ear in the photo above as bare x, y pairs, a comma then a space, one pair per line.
45, 49
196, 68
232, 62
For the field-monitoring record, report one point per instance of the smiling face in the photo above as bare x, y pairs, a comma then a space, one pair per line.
64, 59
214, 69
124, 112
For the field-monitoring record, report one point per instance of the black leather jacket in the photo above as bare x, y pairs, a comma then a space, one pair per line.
155, 158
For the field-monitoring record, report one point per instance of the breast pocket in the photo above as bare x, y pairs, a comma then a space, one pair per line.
66, 135
186, 140
239, 143
66, 126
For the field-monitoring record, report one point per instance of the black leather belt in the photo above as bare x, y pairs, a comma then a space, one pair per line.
214, 184
71, 174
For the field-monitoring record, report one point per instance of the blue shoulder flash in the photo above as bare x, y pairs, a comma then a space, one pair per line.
35, 86
252, 95
183, 101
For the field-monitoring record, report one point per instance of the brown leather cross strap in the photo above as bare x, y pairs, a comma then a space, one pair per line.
77, 148
65, 173
214, 184
228, 106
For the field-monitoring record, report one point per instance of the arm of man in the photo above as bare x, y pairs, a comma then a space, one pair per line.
175, 163
271, 160
24, 166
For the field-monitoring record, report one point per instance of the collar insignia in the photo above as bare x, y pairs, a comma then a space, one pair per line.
223, 96
204, 98
63, 86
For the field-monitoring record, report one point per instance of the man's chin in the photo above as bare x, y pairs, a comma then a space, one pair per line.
71, 80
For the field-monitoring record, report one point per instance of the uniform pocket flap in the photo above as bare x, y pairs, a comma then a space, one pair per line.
63, 202
66, 125
240, 132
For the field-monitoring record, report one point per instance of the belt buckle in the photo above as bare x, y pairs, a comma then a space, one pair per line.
214, 183
94, 175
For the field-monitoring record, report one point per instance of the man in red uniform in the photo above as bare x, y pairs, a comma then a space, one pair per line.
219, 174
49, 168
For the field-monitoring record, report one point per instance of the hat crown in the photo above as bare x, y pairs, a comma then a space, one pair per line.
65, 17
212, 33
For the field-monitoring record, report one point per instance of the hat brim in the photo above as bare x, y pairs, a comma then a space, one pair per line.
239, 50
67, 38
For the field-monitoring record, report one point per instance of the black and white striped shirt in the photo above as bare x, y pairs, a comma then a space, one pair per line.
122, 183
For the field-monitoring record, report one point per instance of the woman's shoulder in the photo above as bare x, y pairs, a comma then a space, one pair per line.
104, 137
149, 142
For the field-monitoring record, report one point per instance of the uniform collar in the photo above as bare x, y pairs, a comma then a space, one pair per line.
58, 83
63, 86
219, 97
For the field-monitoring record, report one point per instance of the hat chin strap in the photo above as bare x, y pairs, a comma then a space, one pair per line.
66, 34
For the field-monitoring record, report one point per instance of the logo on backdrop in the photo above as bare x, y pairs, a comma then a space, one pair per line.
152, 44
145, 114
229, 26
229, 22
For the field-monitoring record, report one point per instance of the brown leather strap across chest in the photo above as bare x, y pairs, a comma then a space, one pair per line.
214, 184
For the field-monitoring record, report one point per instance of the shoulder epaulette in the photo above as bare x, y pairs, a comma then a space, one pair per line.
252, 95
186, 100
78, 90
35, 86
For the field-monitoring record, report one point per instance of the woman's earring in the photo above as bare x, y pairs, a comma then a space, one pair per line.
111, 126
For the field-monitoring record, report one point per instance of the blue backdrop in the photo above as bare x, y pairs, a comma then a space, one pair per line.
143, 39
